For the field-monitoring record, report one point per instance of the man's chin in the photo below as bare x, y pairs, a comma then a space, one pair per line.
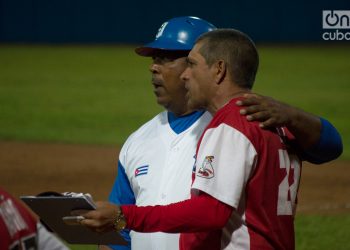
162, 101
193, 105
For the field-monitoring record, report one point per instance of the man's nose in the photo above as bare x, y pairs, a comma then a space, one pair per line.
184, 75
154, 68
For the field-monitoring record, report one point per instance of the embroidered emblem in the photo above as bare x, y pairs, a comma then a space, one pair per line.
141, 170
206, 170
161, 29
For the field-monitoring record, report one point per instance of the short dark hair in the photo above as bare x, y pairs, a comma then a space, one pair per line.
236, 49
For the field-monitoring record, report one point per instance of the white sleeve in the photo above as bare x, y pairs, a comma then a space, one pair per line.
225, 161
47, 240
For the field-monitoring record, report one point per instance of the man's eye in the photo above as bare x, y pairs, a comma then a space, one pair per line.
166, 59
190, 64
161, 60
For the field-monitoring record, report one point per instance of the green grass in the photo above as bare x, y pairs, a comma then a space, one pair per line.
316, 232
100, 94
313, 232
73, 94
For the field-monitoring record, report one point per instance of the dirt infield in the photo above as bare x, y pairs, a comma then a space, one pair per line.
31, 168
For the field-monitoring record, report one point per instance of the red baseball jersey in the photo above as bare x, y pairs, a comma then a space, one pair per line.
254, 171
17, 226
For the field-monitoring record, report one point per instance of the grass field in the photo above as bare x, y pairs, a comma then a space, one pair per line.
73, 94
100, 94
94, 94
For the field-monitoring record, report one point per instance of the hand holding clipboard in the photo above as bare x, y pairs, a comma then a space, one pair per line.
54, 209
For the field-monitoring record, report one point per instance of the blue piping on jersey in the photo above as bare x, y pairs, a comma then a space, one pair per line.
329, 146
180, 123
122, 194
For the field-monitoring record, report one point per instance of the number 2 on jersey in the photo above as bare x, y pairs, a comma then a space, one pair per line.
288, 188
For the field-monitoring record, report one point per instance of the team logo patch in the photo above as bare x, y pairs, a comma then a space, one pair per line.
161, 29
141, 170
206, 170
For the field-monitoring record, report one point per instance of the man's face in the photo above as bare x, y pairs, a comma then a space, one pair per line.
169, 89
199, 78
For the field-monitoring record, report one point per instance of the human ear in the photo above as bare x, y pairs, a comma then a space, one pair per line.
220, 71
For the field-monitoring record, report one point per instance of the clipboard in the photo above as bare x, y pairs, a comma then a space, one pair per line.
51, 210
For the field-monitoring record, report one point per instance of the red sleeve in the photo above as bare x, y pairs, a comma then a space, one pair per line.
200, 213
17, 225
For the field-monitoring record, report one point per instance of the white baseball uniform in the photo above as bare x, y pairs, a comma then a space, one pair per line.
155, 166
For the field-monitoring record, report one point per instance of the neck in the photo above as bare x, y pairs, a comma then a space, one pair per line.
182, 113
223, 97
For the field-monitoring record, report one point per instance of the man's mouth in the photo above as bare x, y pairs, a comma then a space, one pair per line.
157, 83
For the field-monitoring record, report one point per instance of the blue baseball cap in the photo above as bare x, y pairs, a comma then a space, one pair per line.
176, 34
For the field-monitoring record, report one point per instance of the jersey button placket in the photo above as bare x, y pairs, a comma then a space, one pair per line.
162, 195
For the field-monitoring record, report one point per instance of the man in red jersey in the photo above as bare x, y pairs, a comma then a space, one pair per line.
252, 170
19, 229
245, 178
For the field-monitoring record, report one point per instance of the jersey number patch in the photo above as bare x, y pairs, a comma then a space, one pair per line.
288, 188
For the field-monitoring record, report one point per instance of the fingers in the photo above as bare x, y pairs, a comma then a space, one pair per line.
92, 223
96, 226
101, 219
266, 110
258, 116
79, 212
252, 103
269, 123
264, 117
249, 99
90, 217
251, 109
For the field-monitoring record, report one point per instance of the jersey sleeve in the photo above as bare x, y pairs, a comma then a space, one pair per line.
225, 161
184, 216
122, 193
329, 146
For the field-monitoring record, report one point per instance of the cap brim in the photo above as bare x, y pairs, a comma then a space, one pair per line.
145, 51
161, 45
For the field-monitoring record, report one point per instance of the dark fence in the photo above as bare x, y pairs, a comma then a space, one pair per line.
111, 21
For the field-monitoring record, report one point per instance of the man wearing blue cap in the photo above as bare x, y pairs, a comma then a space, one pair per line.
155, 163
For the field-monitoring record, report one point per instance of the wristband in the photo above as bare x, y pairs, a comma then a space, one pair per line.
119, 222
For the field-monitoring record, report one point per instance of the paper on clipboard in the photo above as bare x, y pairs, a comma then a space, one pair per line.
51, 210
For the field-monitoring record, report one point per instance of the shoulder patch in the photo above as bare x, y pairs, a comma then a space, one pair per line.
206, 170
141, 170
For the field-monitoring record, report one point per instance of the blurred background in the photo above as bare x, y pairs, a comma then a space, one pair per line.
108, 21
72, 90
